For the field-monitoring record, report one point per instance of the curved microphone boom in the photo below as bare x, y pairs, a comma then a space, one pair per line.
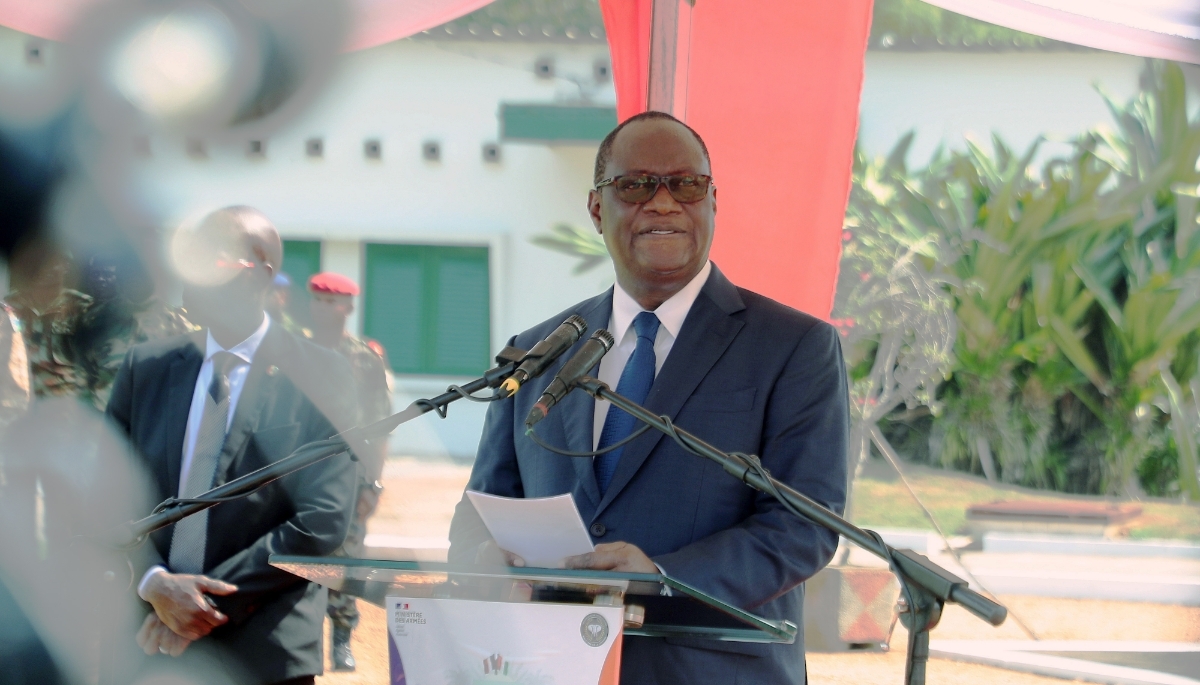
587, 357
545, 352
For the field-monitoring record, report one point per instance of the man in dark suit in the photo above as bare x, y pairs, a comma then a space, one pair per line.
743, 372
203, 409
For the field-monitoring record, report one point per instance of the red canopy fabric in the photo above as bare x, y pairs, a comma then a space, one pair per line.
773, 86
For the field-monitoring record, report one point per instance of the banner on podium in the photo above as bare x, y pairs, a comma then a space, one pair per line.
465, 642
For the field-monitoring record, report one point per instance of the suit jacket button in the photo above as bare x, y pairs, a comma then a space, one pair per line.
598, 530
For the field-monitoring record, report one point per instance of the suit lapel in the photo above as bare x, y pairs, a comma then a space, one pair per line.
707, 332
181, 384
576, 412
251, 403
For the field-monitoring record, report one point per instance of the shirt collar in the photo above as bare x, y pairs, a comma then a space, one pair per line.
245, 349
670, 313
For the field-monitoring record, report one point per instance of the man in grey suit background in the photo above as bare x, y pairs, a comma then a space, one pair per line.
741, 371
206, 408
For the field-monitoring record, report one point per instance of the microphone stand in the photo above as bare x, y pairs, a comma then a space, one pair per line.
172, 510
926, 585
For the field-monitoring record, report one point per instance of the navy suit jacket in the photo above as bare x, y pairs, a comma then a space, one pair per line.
295, 393
746, 374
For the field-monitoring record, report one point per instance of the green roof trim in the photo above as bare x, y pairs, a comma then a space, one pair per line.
556, 123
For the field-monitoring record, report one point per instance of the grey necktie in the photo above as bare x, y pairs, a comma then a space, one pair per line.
188, 540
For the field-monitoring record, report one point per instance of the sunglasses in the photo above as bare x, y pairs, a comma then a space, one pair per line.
638, 189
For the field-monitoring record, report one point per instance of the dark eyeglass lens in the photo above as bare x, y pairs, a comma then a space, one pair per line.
687, 188
638, 189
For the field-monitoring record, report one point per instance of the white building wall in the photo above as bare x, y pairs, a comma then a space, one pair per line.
949, 96
404, 94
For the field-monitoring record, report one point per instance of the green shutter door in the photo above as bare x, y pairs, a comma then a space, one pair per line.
460, 318
429, 306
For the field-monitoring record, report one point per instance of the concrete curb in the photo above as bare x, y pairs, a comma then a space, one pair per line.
1009, 543
1024, 656
1163, 589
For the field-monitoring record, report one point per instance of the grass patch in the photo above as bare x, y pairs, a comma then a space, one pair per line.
879, 499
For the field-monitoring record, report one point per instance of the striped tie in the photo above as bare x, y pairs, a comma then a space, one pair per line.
188, 540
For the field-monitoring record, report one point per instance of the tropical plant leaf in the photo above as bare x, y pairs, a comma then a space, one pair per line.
577, 242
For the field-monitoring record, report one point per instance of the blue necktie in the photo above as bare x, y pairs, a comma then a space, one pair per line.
636, 379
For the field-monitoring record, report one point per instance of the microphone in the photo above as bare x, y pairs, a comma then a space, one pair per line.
588, 356
545, 352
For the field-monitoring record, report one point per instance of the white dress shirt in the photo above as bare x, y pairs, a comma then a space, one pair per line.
246, 350
620, 323
237, 378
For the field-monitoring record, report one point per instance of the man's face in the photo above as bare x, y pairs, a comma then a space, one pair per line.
225, 283
329, 311
661, 244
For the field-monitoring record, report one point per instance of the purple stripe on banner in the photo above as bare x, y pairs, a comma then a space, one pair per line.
397, 666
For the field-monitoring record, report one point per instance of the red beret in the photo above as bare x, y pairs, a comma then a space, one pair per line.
334, 284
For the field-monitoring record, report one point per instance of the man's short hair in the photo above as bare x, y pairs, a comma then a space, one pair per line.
604, 154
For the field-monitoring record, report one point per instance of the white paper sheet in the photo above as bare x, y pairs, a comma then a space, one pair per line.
542, 531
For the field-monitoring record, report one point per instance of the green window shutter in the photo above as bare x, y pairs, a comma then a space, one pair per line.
429, 306
301, 259
556, 123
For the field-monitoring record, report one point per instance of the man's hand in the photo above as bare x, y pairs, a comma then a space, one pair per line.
490, 554
154, 637
614, 556
181, 604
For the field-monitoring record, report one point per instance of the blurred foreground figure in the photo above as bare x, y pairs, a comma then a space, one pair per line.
124, 312
203, 409
332, 301
50, 314
14, 371
63, 589
743, 372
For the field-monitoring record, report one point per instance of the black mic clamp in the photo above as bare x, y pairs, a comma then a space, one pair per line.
544, 353
577, 367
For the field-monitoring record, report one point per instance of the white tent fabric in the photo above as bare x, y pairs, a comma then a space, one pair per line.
1167, 29
374, 22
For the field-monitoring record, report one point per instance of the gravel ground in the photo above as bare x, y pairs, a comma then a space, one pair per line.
419, 501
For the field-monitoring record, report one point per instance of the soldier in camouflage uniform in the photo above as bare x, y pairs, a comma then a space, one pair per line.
50, 314
121, 316
333, 301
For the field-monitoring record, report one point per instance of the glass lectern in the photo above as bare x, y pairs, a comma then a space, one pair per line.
655, 605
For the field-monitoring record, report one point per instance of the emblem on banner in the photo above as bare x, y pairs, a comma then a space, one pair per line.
594, 630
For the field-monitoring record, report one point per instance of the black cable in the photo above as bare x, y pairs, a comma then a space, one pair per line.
441, 410
567, 453
468, 396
